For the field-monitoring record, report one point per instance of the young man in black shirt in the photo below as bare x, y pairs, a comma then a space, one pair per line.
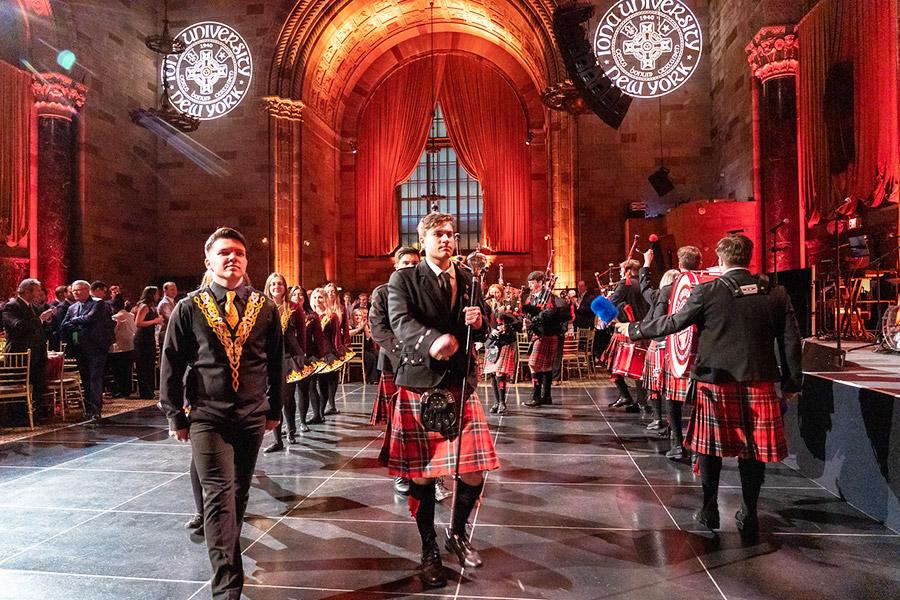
223, 355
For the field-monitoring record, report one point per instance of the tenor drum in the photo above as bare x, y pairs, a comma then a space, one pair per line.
682, 346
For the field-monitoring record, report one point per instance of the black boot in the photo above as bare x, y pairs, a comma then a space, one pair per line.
546, 384
496, 388
278, 445
536, 394
431, 571
676, 451
466, 498
710, 469
624, 398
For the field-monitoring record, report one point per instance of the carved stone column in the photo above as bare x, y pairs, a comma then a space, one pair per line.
773, 56
55, 221
566, 105
285, 120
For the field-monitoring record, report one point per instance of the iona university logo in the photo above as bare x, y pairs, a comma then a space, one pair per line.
648, 48
212, 75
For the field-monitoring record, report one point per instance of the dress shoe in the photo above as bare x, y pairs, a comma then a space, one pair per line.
195, 522
304, 428
654, 424
622, 401
441, 492
501, 409
431, 571
548, 400
276, 447
534, 402
459, 545
494, 408
632, 408
708, 516
332, 411
292, 438
401, 485
316, 421
747, 524
676, 453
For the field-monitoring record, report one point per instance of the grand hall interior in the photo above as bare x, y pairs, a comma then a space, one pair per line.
468, 299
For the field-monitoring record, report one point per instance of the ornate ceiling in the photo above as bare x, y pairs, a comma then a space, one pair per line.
332, 51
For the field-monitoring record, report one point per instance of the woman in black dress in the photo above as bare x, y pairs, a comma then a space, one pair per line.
146, 320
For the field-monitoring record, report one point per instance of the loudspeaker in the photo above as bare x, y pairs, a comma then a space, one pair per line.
602, 96
798, 283
660, 181
818, 357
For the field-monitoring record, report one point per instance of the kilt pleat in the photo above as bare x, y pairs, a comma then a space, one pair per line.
415, 452
652, 375
609, 355
543, 356
381, 408
674, 389
505, 363
737, 419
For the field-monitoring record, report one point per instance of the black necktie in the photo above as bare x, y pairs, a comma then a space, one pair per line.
446, 288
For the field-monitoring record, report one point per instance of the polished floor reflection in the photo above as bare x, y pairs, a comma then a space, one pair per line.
584, 507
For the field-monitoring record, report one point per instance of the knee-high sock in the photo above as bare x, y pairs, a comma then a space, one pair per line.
536, 381
466, 497
501, 388
423, 511
657, 407
640, 393
675, 420
753, 473
495, 386
623, 388
710, 469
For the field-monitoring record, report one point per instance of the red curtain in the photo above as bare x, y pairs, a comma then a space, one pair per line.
392, 134
16, 121
486, 125
862, 35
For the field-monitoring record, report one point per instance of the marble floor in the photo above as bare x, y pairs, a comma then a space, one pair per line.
585, 506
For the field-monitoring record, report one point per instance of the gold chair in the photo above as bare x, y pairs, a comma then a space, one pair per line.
522, 343
357, 344
67, 389
585, 339
15, 381
570, 355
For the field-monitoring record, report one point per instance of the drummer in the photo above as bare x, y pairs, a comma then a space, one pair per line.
740, 318
632, 307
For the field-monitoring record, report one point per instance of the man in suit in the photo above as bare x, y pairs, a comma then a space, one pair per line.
223, 358
63, 301
164, 309
431, 310
90, 327
584, 316
741, 320
23, 323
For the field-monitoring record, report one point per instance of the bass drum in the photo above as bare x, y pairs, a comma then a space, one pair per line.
681, 347
890, 329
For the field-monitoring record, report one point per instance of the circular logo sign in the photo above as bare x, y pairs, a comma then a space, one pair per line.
648, 48
213, 73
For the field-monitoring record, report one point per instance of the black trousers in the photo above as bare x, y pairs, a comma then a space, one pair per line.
91, 366
145, 363
120, 366
225, 456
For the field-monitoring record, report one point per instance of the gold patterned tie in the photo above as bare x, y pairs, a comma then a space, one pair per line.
231, 313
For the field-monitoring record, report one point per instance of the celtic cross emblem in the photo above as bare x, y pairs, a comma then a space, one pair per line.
206, 72
647, 46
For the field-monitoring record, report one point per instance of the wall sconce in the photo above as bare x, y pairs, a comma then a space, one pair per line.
353, 147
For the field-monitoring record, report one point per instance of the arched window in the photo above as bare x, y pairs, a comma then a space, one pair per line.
455, 191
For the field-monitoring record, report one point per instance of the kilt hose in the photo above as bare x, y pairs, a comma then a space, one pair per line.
740, 419
543, 356
414, 452
505, 363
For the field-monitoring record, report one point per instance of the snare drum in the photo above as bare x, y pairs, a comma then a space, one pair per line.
629, 360
682, 346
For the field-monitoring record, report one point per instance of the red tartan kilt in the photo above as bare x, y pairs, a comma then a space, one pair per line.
543, 357
609, 355
505, 363
381, 409
414, 452
738, 419
674, 389
652, 376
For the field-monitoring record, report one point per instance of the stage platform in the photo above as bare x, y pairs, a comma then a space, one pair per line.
584, 507
844, 431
